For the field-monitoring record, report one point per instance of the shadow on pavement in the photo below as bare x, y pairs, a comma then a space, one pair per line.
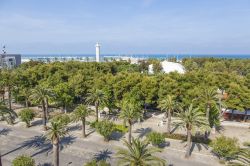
37, 122
174, 129
117, 135
199, 146
75, 127
5, 131
103, 155
165, 144
90, 131
143, 131
41, 144
46, 164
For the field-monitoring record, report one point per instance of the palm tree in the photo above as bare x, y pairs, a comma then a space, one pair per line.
168, 105
138, 154
80, 114
7, 81
7, 114
209, 97
41, 95
242, 158
2, 91
190, 119
55, 132
97, 97
26, 93
130, 112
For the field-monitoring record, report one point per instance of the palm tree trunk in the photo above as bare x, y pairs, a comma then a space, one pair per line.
47, 108
129, 131
169, 121
44, 116
65, 109
2, 93
207, 112
56, 153
187, 155
245, 117
83, 128
232, 115
0, 159
220, 107
207, 116
96, 111
26, 102
9, 97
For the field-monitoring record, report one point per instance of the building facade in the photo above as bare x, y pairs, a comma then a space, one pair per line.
10, 61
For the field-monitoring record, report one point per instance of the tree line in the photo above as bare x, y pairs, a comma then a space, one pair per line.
128, 89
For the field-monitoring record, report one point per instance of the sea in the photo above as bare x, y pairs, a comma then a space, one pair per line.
139, 56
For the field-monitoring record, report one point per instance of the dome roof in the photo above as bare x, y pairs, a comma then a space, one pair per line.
168, 67
172, 67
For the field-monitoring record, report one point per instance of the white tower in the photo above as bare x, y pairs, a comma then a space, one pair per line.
97, 52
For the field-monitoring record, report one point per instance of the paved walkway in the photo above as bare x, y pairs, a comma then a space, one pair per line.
76, 150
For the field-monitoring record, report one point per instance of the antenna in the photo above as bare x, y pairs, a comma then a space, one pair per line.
4, 49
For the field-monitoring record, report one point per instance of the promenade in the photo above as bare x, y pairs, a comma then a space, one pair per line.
18, 140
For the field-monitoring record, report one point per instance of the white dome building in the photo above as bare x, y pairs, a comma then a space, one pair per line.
168, 67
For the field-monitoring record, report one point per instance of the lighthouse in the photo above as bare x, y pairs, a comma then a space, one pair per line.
97, 52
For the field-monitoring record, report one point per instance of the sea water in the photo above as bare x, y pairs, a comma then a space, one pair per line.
141, 56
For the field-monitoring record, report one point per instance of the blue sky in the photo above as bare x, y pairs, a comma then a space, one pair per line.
126, 26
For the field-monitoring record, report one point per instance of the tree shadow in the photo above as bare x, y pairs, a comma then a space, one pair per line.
103, 155
5, 131
46, 164
174, 129
220, 129
42, 145
90, 131
75, 127
37, 122
143, 131
199, 146
164, 144
116, 135
112, 117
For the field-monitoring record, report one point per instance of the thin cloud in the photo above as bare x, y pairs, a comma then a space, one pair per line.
147, 3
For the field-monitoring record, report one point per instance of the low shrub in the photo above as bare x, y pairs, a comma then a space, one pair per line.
225, 147
247, 144
196, 139
156, 138
105, 128
62, 118
121, 128
23, 161
92, 124
27, 115
97, 163
176, 136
